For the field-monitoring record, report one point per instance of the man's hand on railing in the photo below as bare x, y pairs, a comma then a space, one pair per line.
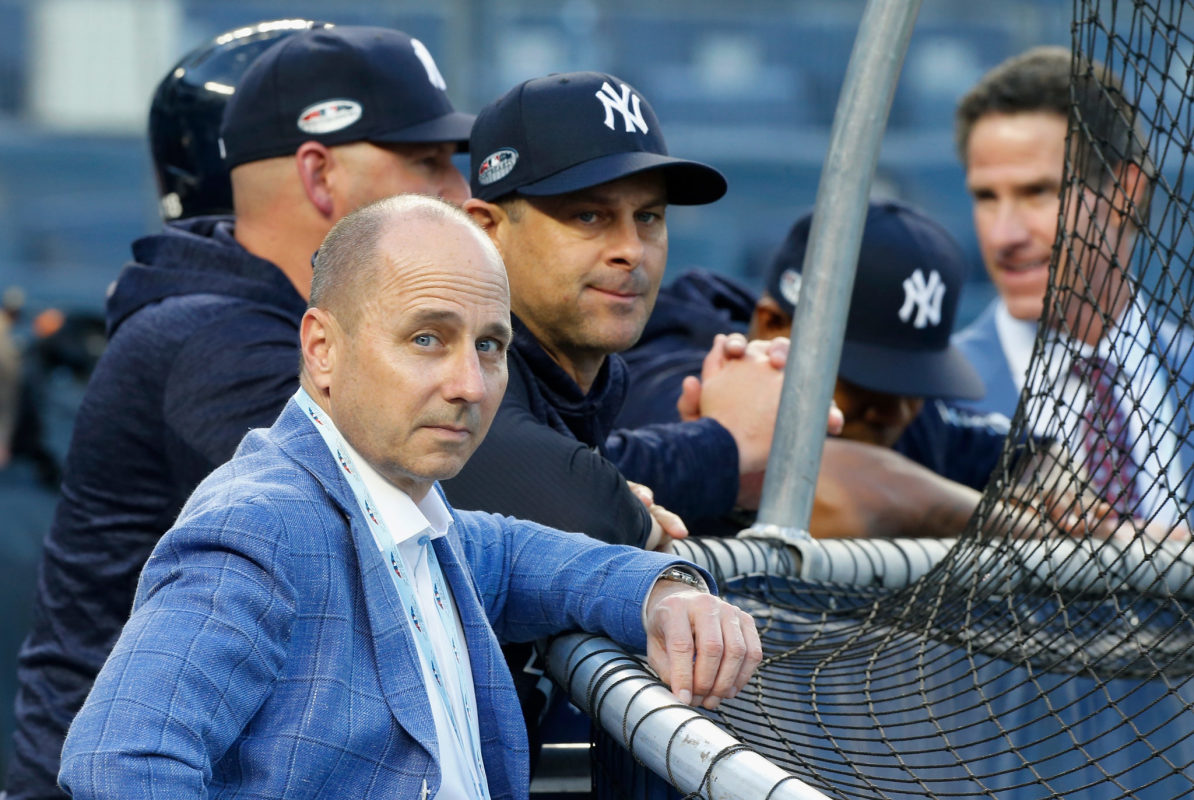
702, 647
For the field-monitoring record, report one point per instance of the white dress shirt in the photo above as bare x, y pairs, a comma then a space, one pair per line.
407, 522
1141, 398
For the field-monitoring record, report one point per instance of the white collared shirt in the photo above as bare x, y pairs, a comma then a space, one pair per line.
407, 521
1142, 400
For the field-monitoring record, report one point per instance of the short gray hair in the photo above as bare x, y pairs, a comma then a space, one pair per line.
350, 254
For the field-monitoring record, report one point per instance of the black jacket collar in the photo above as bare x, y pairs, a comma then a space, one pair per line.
589, 416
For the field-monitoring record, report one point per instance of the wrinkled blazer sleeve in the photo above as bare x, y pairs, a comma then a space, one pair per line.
197, 658
536, 581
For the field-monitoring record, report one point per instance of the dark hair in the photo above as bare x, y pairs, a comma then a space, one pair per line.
1038, 80
1103, 135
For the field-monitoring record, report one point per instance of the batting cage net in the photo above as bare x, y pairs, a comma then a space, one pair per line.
1049, 652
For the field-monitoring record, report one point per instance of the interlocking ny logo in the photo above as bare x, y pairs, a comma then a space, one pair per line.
924, 297
433, 73
622, 104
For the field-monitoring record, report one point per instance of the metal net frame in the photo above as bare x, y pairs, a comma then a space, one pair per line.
1049, 653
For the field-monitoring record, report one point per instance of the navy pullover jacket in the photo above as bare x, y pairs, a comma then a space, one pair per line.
203, 346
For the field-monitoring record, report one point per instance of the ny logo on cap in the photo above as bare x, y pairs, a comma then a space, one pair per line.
622, 103
789, 286
924, 297
433, 73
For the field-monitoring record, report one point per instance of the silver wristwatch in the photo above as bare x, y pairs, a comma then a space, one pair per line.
683, 575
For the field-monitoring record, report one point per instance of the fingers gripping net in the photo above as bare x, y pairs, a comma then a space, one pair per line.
1050, 652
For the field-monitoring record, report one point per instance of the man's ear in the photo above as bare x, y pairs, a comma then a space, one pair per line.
488, 216
315, 163
1131, 194
318, 338
769, 320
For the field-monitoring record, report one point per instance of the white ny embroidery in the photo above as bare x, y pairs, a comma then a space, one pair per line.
433, 73
924, 297
622, 104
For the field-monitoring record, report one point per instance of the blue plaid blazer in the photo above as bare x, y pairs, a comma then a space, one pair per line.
267, 655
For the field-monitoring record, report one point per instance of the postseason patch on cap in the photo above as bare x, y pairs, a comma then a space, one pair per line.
328, 116
497, 165
789, 285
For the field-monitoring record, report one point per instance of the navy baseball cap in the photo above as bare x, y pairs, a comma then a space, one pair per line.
336, 86
571, 131
910, 274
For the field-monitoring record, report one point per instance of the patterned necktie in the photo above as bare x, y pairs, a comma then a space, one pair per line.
1108, 451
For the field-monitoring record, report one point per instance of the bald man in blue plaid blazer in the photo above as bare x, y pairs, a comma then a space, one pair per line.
270, 653
289, 670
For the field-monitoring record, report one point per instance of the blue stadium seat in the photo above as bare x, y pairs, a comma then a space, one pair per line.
14, 38
730, 72
944, 60
74, 204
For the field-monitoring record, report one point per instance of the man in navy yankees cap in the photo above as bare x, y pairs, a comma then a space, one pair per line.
898, 367
568, 132
341, 85
897, 349
572, 178
896, 374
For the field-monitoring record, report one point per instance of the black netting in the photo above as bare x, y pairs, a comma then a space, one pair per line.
1021, 668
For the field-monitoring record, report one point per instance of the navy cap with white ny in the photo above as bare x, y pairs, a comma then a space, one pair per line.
571, 131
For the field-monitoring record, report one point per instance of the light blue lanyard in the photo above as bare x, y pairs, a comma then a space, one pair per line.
403, 577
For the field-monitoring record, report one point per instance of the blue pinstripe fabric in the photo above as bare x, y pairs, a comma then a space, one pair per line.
1170, 344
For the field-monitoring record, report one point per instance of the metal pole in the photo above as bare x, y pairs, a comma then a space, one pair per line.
828, 277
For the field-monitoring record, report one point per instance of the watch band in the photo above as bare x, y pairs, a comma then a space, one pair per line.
682, 575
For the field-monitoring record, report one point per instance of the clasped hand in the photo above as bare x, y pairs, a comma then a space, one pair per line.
740, 387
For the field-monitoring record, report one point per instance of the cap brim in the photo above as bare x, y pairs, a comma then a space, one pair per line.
945, 373
453, 127
689, 183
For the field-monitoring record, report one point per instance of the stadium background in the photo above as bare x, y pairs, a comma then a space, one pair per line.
748, 86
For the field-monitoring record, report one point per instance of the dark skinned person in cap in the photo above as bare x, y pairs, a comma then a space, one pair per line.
897, 367
203, 333
897, 364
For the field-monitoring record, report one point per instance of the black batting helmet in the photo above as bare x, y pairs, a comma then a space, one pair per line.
184, 118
